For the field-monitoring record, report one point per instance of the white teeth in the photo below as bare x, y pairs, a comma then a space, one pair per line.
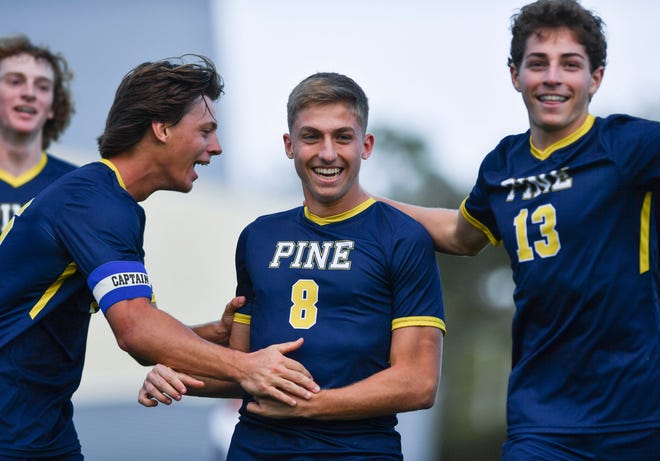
327, 171
27, 110
553, 97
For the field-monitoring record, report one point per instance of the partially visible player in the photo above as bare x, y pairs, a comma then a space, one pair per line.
35, 108
574, 201
355, 277
77, 248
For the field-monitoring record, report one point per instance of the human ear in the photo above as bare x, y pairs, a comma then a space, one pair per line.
368, 145
160, 130
288, 145
515, 77
596, 80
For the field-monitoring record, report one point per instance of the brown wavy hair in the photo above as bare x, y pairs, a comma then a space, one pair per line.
63, 108
163, 91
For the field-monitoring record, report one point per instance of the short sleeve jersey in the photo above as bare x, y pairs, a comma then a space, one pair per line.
16, 190
579, 222
343, 284
82, 235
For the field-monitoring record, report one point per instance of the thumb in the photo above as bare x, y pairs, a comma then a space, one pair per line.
291, 346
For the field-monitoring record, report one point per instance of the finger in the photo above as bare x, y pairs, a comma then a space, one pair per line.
235, 304
154, 394
298, 384
162, 380
174, 383
276, 394
189, 381
291, 346
145, 399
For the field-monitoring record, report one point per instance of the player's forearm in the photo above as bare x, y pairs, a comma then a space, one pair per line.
155, 336
215, 388
410, 383
214, 332
391, 391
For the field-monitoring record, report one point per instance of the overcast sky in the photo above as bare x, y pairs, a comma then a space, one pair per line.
434, 68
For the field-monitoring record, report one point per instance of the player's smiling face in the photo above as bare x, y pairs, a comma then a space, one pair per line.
556, 84
327, 145
26, 94
191, 142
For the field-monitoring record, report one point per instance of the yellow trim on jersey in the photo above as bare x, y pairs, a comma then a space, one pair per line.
242, 318
112, 166
341, 216
50, 292
644, 234
476, 223
29, 175
571, 138
419, 321
10, 224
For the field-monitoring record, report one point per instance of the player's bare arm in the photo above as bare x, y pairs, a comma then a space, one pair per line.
410, 383
450, 231
154, 335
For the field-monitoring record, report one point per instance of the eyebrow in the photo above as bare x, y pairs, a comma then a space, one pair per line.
341, 129
24, 75
563, 55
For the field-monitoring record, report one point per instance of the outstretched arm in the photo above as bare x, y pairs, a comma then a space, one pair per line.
147, 332
410, 383
450, 231
163, 384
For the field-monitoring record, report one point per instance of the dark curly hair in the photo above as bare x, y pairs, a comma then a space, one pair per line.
63, 108
587, 26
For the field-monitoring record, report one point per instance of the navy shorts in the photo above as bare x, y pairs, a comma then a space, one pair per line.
641, 445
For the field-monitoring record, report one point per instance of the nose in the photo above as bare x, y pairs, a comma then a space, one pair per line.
327, 152
29, 91
553, 74
214, 147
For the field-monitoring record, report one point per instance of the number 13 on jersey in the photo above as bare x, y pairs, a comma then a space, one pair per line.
545, 216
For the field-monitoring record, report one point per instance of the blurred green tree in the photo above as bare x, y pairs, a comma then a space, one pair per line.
478, 295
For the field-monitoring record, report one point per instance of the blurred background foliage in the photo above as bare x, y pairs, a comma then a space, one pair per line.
478, 293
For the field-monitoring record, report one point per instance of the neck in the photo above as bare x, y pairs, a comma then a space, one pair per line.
135, 176
19, 155
336, 207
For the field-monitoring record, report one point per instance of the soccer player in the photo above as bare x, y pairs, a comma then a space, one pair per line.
77, 248
355, 277
35, 108
574, 201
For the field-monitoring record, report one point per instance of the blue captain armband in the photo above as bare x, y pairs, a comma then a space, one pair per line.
118, 281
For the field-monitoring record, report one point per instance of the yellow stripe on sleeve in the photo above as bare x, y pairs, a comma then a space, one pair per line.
419, 321
476, 223
242, 318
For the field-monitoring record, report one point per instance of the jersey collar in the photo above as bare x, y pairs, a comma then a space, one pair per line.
571, 138
112, 166
341, 216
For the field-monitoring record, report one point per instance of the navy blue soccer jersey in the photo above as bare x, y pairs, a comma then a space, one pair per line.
83, 235
343, 283
579, 222
16, 190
